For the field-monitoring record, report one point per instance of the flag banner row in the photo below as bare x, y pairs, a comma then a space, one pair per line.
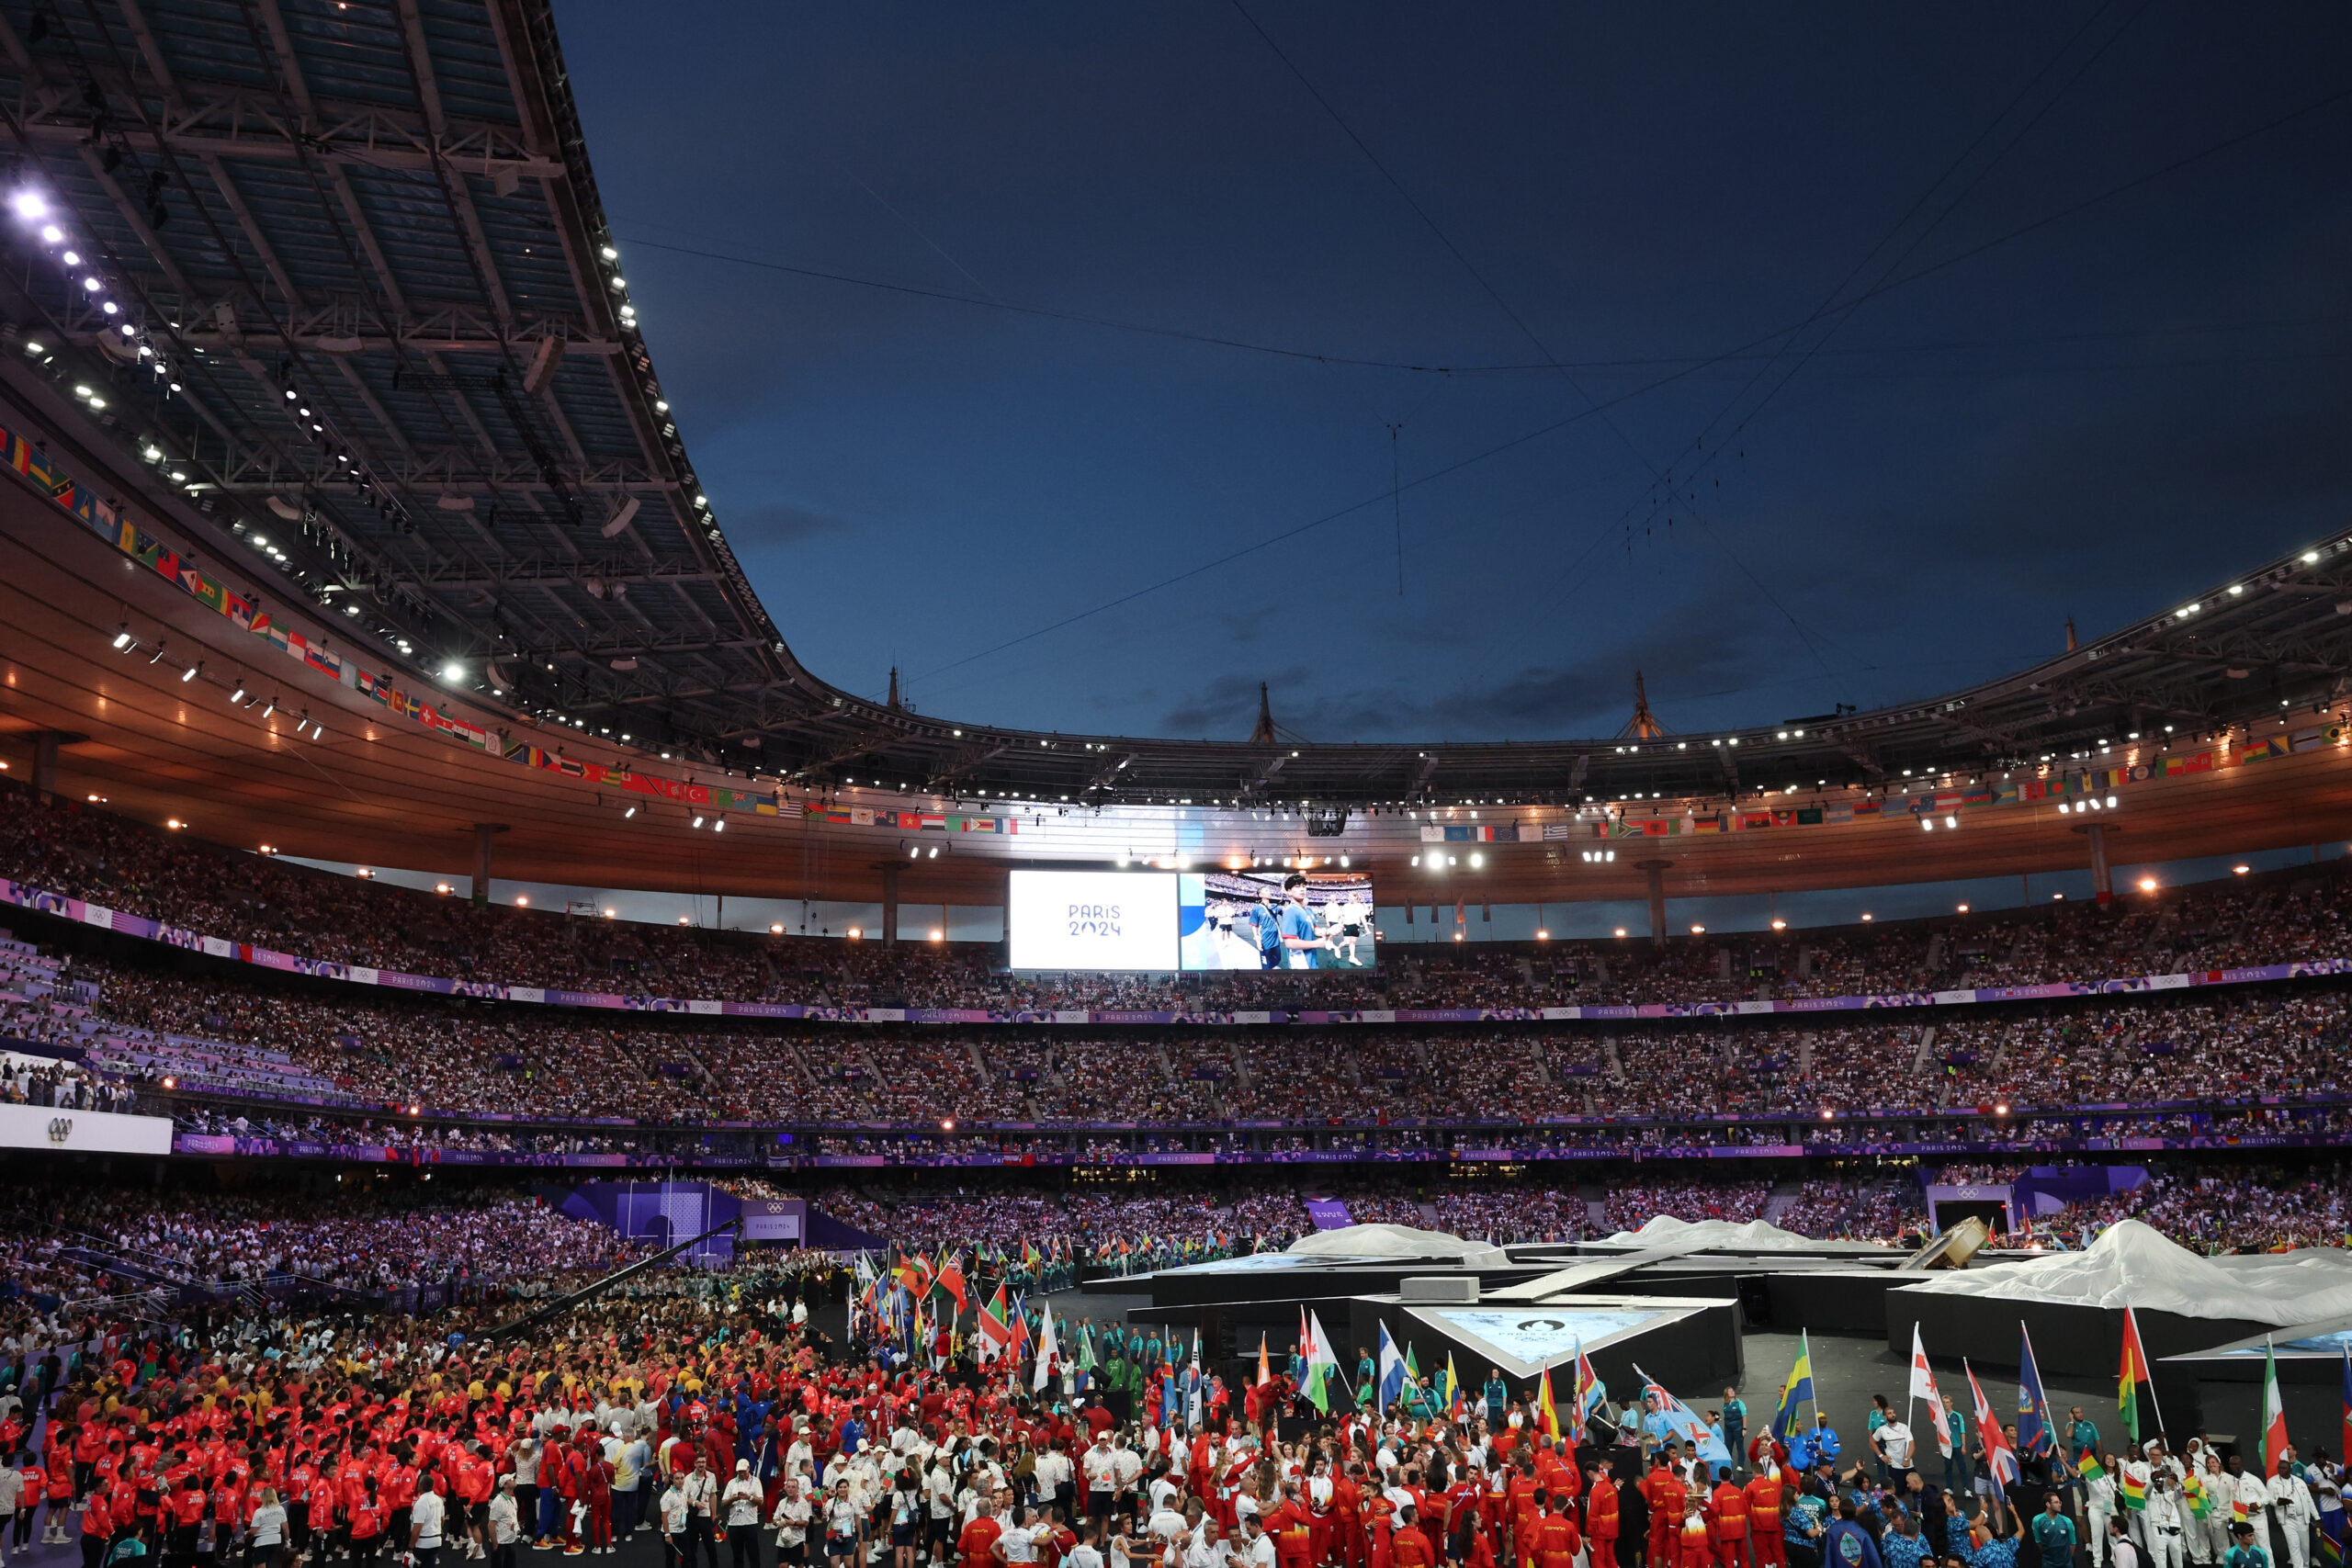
394, 694
1906, 806
55, 482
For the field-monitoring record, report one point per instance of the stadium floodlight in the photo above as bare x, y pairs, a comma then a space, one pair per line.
122, 636
29, 205
192, 672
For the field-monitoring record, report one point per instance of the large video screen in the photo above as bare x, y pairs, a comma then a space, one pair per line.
1246, 920
1212, 919
1092, 920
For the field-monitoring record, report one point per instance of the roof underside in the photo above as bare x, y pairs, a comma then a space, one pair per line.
385, 209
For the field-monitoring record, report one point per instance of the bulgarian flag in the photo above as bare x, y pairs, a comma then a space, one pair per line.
2274, 1412
2130, 1375
996, 1335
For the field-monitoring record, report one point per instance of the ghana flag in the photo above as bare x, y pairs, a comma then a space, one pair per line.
2131, 1377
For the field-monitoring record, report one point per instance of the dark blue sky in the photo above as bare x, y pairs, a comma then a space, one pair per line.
2091, 411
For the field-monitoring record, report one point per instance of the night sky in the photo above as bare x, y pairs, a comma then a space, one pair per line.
1833, 355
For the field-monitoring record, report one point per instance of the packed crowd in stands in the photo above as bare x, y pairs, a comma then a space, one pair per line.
67, 850
61, 1086
230, 1033
95, 1240
1636, 1203
2212, 1209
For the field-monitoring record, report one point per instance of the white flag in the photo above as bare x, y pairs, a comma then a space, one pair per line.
1923, 1386
1046, 1351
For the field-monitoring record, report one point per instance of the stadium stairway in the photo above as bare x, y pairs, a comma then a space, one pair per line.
1784, 1196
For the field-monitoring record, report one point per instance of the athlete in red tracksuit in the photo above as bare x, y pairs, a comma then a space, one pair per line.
1764, 1519
1729, 1507
596, 1491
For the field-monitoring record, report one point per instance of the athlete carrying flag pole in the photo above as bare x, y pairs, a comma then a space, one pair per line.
1795, 1394
1923, 1386
1995, 1443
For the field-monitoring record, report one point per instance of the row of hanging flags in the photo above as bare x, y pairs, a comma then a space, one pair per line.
53, 482
920, 1306
2037, 1426
1904, 809
902, 1299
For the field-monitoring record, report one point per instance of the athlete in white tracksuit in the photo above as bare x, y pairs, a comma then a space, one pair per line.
2167, 1522
2292, 1509
2210, 1541
2098, 1506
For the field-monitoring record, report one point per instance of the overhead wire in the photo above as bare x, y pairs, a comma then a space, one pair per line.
1837, 317
1502, 447
1443, 239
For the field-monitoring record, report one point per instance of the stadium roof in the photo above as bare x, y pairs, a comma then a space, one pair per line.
346, 316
